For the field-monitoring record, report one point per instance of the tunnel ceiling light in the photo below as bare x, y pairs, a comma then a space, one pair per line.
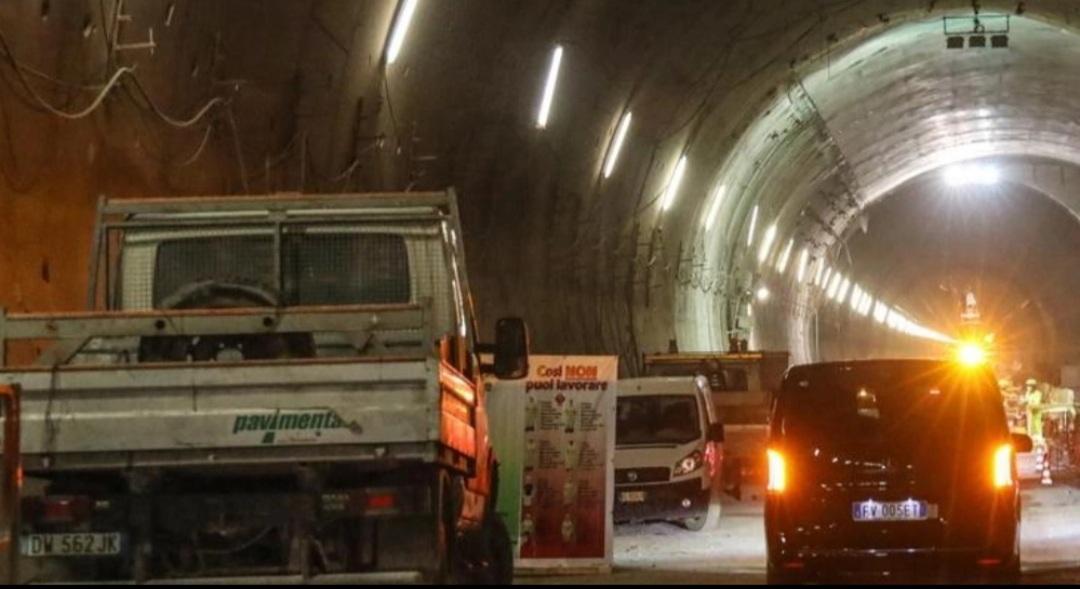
785, 256
866, 306
763, 294
893, 319
753, 227
881, 312
616, 144
834, 285
845, 289
902, 323
673, 184
856, 298
766, 244
549, 88
804, 258
400, 29
714, 206
824, 273
972, 174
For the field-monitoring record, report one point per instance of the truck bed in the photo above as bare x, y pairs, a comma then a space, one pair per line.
88, 417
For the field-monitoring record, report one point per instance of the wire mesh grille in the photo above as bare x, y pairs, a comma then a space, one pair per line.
320, 265
345, 269
246, 260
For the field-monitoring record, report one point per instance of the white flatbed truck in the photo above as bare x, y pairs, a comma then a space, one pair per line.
269, 389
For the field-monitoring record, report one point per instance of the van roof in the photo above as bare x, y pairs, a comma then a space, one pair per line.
654, 385
913, 364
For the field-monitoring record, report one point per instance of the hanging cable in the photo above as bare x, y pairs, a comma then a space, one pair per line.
117, 77
198, 151
239, 149
178, 123
79, 114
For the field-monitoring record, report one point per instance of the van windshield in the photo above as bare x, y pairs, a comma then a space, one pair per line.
657, 419
901, 405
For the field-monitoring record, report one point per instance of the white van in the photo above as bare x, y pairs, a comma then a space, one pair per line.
667, 451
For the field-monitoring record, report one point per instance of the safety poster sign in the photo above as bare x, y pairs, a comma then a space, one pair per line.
567, 475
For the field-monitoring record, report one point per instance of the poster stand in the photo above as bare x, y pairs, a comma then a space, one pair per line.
554, 435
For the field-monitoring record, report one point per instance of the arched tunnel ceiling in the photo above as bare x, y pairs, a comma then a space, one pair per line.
886, 108
900, 103
801, 111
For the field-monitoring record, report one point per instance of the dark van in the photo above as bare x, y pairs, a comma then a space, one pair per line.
891, 469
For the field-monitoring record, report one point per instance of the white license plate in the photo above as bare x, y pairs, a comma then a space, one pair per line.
632, 497
88, 544
891, 511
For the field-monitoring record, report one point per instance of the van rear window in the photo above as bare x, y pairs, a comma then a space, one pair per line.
864, 405
657, 419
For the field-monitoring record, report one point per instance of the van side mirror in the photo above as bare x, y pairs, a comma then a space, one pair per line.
1022, 443
716, 432
511, 349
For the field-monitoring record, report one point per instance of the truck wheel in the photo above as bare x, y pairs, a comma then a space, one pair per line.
500, 553
445, 569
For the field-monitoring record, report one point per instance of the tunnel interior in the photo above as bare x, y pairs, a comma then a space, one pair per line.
751, 142
931, 242
827, 179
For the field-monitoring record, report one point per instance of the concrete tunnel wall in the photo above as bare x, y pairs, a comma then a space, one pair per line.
781, 103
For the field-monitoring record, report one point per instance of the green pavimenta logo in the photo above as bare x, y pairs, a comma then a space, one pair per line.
279, 421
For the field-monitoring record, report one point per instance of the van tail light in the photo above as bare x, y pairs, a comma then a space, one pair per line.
713, 457
777, 471
1003, 466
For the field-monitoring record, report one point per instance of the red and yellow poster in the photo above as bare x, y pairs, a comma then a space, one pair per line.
567, 465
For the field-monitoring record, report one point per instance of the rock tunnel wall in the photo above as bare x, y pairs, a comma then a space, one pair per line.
305, 102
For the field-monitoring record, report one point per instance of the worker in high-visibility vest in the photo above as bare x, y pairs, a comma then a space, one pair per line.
1033, 401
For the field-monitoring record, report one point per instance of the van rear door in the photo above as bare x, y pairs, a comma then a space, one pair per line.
887, 434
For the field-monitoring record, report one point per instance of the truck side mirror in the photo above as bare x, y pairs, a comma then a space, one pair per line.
511, 348
716, 432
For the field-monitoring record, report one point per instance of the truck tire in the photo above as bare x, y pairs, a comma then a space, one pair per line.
500, 553
444, 569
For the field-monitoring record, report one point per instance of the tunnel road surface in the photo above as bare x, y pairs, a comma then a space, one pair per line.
734, 553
